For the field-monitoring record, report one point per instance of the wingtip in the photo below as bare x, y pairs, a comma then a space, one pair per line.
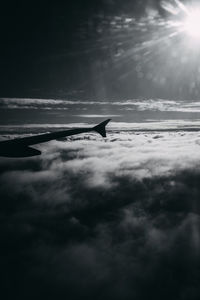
106, 121
100, 128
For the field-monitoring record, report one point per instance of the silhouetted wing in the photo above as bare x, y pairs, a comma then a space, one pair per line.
41, 138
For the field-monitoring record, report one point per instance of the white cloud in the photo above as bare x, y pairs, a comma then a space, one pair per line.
87, 211
139, 156
150, 125
162, 105
97, 116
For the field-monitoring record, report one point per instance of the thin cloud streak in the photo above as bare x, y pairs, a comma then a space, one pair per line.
149, 125
162, 105
97, 116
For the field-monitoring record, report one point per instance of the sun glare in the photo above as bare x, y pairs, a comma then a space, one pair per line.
188, 18
192, 24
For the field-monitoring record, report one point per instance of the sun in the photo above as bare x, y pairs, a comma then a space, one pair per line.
192, 24
188, 18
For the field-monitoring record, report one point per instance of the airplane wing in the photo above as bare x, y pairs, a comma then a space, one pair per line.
20, 147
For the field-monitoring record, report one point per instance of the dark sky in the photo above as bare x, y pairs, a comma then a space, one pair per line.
44, 46
83, 49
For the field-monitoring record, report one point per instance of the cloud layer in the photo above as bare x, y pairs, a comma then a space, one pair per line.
114, 219
131, 104
133, 113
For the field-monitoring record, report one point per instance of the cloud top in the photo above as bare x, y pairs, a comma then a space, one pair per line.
117, 219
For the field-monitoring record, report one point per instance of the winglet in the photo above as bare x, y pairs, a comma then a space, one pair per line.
101, 128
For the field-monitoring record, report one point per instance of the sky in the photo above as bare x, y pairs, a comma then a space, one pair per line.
149, 114
103, 49
91, 217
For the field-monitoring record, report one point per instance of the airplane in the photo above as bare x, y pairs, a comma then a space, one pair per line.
19, 147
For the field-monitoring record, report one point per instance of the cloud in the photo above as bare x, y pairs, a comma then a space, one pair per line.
97, 116
114, 219
30, 103
162, 105
147, 126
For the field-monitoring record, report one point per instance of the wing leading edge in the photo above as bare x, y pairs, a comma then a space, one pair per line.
20, 147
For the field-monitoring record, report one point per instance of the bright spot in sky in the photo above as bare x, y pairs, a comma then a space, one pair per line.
188, 17
192, 24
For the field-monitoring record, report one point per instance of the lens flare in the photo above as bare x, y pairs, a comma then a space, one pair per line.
186, 18
192, 24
